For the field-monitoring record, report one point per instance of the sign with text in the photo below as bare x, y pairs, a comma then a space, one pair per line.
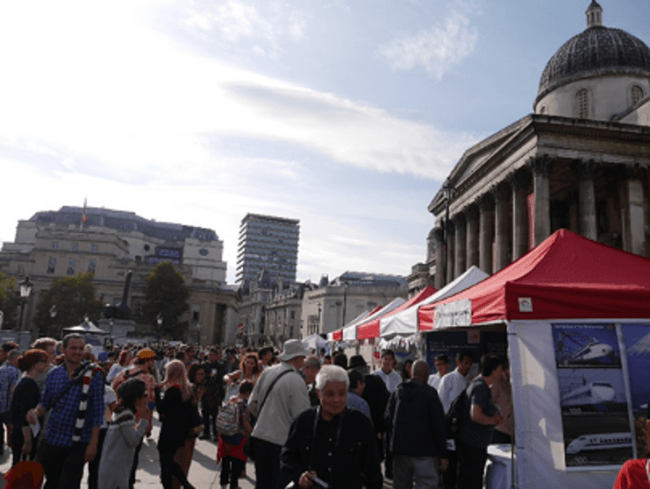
454, 314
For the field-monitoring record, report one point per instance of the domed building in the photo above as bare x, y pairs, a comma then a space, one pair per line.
579, 161
602, 73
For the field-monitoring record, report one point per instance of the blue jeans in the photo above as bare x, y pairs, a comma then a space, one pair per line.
409, 469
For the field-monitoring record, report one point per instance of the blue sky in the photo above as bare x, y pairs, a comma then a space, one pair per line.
346, 115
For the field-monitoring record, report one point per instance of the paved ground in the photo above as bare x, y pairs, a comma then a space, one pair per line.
204, 473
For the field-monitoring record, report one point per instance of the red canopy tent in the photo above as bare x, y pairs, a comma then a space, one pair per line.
566, 276
371, 328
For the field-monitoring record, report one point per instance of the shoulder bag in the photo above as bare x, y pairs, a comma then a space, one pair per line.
249, 446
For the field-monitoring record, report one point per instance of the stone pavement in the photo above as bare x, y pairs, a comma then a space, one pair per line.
204, 473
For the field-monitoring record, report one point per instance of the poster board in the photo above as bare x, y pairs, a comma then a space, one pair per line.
594, 399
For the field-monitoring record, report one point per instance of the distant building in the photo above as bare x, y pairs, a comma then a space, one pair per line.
338, 302
55, 244
267, 243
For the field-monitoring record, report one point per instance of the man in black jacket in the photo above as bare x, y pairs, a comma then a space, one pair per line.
331, 442
376, 395
416, 422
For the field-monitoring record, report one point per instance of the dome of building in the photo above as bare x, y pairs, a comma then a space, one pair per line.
597, 51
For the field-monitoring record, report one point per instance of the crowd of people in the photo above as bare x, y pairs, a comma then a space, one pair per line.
305, 418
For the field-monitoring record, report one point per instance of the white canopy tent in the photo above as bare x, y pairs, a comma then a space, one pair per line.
350, 332
405, 323
316, 342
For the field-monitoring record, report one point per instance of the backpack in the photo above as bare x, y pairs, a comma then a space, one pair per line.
455, 415
228, 419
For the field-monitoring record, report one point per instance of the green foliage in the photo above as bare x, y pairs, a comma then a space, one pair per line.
74, 298
9, 302
165, 293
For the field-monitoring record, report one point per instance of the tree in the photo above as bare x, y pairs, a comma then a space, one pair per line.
9, 301
166, 294
74, 298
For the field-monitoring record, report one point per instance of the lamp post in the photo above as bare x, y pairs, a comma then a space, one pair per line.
345, 300
197, 325
159, 320
25, 290
448, 190
319, 326
53, 313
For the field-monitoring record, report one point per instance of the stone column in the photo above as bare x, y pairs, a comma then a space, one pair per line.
450, 251
486, 234
519, 185
460, 243
587, 199
633, 209
541, 167
501, 258
471, 221
436, 236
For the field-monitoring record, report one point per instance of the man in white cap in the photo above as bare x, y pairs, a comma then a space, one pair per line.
278, 397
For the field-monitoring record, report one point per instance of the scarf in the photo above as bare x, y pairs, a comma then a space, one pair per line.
88, 375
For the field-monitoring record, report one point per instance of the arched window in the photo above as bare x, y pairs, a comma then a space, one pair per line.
542, 110
582, 104
637, 93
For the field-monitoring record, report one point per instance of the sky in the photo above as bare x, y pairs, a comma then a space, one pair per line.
344, 114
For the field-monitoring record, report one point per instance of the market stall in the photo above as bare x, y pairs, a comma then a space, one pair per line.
577, 315
405, 321
370, 327
351, 332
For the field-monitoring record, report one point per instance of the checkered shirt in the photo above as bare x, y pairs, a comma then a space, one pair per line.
9, 375
64, 414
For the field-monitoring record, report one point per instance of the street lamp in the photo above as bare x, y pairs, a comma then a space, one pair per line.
159, 319
345, 299
448, 190
25, 290
53, 313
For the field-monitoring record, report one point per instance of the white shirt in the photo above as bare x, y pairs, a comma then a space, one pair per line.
434, 380
392, 380
450, 386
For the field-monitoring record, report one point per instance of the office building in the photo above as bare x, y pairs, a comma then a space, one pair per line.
267, 243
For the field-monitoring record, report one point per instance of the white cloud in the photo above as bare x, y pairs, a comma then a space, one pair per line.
138, 104
98, 105
264, 23
436, 49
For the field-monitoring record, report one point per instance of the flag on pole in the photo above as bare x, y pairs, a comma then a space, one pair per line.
84, 217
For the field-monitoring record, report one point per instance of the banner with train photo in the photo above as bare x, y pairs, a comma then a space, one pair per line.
594, 394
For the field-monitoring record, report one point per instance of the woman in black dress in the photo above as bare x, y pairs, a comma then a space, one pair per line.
25, 397
173, 402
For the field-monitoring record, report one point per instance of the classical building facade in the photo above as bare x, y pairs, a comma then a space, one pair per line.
53, 245
580, 162
267, 243
270, 310
338, 302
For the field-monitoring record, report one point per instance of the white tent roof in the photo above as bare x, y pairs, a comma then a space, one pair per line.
350, 332
351, 323
315, 342
86, 327
405, 323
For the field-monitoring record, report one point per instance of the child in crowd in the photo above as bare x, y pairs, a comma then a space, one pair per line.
230, 450
122, 436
